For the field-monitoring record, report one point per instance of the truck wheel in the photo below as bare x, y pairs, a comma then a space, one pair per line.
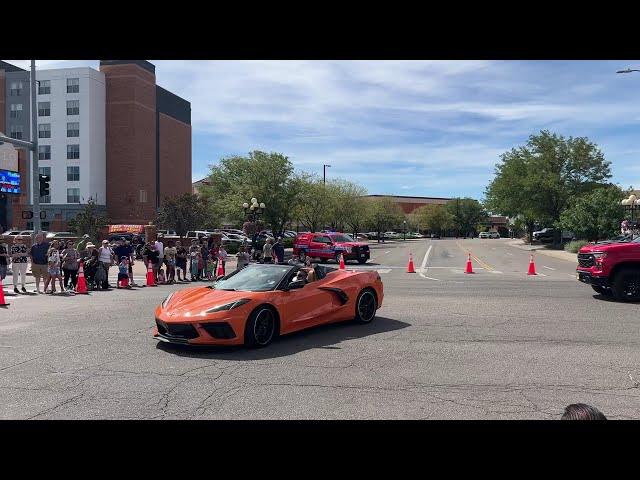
602, 290
362, 260
626, 285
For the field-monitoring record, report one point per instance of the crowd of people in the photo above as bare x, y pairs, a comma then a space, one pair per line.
171, 261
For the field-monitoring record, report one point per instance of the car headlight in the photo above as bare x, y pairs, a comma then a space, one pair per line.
228, 306
599, 256
166, 300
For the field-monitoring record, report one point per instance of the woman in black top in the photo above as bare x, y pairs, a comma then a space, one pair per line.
4, 260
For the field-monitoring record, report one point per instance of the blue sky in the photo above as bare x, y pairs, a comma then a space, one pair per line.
426, 128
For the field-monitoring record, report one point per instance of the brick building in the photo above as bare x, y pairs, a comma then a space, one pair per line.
411, 204
113, 135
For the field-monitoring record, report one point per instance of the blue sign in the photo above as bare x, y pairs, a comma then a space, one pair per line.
9, 182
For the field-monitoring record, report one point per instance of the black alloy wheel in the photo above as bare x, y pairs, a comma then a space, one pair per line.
261, 328
366, 306
626, 285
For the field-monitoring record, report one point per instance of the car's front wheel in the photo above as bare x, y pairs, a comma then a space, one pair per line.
261, 328
362, 260
626, 285
366, 306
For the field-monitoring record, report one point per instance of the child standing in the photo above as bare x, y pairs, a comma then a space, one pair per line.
211, 266
123, 272
53, 268
194, 266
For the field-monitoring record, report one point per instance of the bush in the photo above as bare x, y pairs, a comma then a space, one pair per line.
574, 246
287, 242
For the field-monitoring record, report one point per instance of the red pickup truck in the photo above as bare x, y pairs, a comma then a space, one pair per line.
329, 246
612, 268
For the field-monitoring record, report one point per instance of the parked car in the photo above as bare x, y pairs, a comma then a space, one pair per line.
391, 235
483, 235
435, 235
612, 268
8, 236
326, 246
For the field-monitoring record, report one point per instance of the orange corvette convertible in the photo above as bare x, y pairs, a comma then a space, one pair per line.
254, 305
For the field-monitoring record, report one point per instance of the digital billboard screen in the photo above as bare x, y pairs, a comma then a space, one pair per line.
9, 182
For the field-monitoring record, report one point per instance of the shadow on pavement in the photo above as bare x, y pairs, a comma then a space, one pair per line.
609, 298
322, 336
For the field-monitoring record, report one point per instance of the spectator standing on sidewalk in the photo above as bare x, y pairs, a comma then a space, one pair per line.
105, 257
152, 256
244, 258
19, 261
54, 268
222, 257
267, 251
4, 261
170, 252
181, 260
39, 260
278, 251
70, 263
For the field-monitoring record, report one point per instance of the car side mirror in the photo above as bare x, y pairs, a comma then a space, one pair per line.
296, 285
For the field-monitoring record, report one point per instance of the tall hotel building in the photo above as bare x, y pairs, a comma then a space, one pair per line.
111, 135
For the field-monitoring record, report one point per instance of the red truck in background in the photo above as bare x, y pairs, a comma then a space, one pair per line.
329, 246
612, 268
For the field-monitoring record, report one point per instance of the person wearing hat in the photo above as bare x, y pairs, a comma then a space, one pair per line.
105, 257
90, 262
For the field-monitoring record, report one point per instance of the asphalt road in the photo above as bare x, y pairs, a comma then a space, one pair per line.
497, 344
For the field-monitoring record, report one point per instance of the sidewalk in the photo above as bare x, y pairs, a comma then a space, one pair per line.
561, 254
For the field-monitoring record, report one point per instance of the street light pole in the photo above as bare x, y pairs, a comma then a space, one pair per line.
35, 189
324, 173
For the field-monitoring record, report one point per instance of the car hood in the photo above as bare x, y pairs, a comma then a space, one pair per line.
195, 301
603, 247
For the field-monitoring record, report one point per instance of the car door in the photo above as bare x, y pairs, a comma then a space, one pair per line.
307, 306
321, 246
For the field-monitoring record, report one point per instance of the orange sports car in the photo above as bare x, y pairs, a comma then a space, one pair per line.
254, 305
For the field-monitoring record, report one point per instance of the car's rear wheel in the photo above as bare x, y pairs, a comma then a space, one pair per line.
362, 260
602, 290
261, 328
366, 306
626, 285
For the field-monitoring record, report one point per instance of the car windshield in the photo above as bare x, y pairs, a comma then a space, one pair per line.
342, 238
254, 278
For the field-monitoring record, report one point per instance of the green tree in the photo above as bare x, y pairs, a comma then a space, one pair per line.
348, 205
315, 207
466, 214
384, 213
435, 218
183, 213
88, 221
596, 215
538, 180
269, 177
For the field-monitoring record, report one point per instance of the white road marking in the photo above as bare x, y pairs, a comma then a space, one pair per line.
424, 263
510, 254
544, 266
388, 251
384, 270
572, 275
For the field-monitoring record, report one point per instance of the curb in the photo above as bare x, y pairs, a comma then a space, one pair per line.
559, 254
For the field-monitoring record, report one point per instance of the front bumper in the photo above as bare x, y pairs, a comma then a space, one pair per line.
589, 278
201, 333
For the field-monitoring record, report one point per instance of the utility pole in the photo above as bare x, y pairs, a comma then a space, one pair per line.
33, 147
324, 173
35, 190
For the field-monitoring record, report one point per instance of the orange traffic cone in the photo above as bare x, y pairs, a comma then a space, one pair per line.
469, 266
410, 268
151, 282
532, 267
220, 272
3, 303
81, 286
341, 261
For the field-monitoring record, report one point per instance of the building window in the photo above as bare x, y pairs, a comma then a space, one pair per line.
16, 132
73, 129
45, 225
73, 174
44, 87
73, 85
73, 195
44, 152
44, 130
44, 109
73, 152
46, 198
15, 89
143, 196
16, 110
73, 107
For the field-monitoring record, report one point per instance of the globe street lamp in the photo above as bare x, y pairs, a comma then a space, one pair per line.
253, 212
630, 205
404, 234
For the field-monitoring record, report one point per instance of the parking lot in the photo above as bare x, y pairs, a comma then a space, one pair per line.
497, 344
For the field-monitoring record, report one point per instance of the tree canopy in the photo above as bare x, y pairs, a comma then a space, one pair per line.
466, 214
88, 221
183, 213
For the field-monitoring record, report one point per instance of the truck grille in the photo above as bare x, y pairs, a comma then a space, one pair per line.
586, 260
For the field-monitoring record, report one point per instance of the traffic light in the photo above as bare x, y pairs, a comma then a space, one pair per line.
44, 185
